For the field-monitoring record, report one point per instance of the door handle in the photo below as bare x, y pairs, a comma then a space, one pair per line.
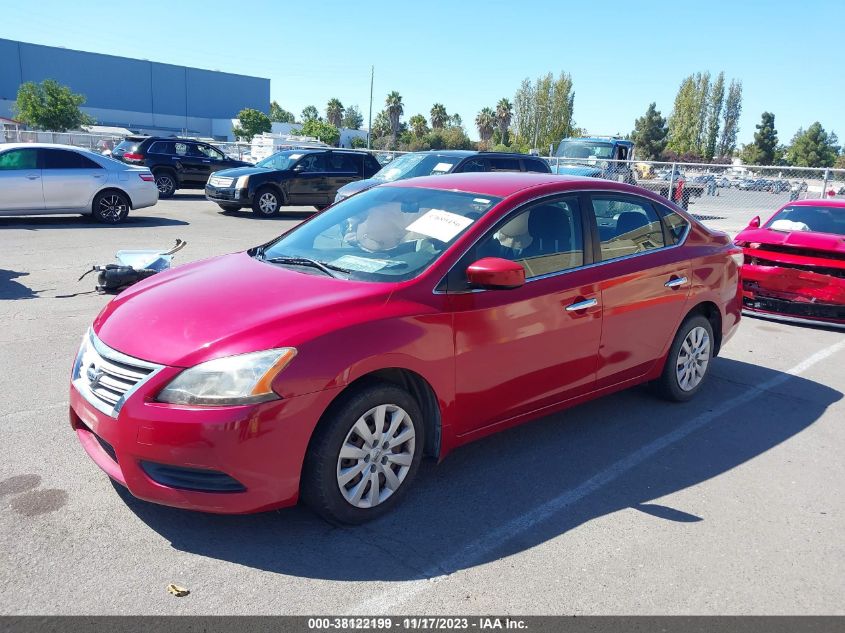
33, 177
581, 305
677, 281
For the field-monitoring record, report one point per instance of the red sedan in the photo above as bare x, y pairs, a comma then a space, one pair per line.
794, 266
399, 324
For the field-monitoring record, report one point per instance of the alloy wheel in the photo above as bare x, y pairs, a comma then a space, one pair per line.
165, 184
693, 358
376, 456
113, 208
268, 203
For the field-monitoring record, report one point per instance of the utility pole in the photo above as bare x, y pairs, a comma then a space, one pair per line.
370, 124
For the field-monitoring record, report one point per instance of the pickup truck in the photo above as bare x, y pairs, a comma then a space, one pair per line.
596, 157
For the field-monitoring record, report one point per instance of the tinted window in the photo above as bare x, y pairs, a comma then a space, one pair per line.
64, 159
536, 165
19, 159
159, 147
206, 151
313, 163
372, 164
503, 164
476, 164
626, 226
545, 238
341, 163
675, 223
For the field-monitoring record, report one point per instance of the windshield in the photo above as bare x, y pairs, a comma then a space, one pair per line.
280, 160
383, 234
816, 219
585, 149
418, 164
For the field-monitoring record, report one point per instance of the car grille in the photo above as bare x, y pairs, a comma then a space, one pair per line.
821, 270
106, 377
220, 194
220, 181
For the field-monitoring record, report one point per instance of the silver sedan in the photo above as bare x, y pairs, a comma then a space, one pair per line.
42, 178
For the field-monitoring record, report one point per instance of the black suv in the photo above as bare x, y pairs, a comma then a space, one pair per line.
176, 163
309, 177
436, 162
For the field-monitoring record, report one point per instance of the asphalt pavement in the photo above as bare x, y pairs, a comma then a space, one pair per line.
733, 503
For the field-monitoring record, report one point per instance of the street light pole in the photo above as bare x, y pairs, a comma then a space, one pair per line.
370, 124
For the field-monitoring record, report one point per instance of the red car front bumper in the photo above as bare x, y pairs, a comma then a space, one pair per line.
251, 455
794, 294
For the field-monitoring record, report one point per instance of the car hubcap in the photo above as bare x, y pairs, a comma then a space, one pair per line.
376, 456
267, 203
693, 358
164, 184
112, 208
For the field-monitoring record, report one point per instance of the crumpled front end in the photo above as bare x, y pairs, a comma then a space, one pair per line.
791, 285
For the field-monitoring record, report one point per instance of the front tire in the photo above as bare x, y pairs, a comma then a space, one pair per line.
688, 360
111, 207
267, 202
364, 455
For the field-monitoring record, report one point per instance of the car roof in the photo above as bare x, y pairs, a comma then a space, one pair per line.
464, 153
500, 184
5, 146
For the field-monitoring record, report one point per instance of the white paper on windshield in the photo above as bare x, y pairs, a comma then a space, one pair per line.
439, 224
788, 225
391, 173
481, 200
362, 264
441, 167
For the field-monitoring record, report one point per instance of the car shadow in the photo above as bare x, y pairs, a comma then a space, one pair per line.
517, 489
38, 222
13, 290
282, 215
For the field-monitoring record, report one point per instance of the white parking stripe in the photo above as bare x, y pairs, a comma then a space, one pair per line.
401, 592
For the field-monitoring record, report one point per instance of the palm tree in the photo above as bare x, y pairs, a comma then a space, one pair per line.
504, 115
485, 121
418, 124
334, 112
394, 110
439, 117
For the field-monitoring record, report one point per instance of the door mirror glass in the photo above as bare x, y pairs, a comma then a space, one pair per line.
755, 222
495, 273
299, 168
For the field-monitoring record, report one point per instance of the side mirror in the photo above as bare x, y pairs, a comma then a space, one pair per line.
494, 273
755, 222
299, 168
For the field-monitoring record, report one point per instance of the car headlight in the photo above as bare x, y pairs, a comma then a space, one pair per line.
243, 379
242, 182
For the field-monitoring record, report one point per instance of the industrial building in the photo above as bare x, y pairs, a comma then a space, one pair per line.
140, 95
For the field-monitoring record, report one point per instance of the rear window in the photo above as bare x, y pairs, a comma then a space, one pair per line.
504, 164
539, 166
127, 146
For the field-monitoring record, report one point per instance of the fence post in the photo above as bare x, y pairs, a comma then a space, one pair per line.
824, 184
671, 182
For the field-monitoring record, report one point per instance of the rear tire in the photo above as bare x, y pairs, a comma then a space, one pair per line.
166, 183
267, 202
380, 430
688, 361
111, 207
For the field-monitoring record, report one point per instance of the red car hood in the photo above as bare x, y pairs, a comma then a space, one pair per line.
227, 305
797, 239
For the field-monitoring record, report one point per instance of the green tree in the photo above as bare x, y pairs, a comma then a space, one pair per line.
334, 112
685, 122
840, 160
764, 148
455, 121
504, 116
439, 116
730, 120
50, 106
352, 119
714, 113
309, 113
279, 114
543, 110
650, 133
250, 123
418, 124
394, 108
485, 121
322, 131
813, 148
381, 125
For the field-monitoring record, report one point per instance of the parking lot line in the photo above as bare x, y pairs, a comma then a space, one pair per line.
387, 601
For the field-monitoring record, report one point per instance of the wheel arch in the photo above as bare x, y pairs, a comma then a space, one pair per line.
711, 312
109, 189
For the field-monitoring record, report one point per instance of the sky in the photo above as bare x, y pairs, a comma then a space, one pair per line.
467, 54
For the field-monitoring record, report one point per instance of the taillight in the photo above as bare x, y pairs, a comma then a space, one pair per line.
147, 177
133, 157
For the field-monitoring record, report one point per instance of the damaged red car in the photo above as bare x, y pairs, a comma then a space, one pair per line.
794, 268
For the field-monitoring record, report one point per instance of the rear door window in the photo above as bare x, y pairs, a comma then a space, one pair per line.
539, 166
341, 163
19, 159
65, 159
473, 165
626, 225
503, 164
